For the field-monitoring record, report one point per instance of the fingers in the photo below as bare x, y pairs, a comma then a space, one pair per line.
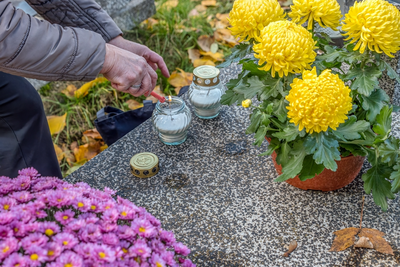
157, 59
153, 77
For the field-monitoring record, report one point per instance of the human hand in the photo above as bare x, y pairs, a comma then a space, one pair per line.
152, 58
125, 70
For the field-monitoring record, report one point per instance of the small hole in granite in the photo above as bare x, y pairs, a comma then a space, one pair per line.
234, 148
177, 181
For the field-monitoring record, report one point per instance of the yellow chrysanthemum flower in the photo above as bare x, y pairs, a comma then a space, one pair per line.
249, 17
318, 102
325, 12
246, 103
374, 24
286, 47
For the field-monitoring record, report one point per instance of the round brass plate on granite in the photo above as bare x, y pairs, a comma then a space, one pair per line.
144, 165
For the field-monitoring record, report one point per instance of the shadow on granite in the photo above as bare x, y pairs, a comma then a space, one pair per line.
220, 199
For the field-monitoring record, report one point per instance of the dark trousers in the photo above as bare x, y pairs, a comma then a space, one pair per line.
25, 139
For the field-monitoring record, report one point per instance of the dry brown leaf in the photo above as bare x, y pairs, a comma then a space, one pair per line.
69, 91
59, 153
133, 104
224, 36
209, 3
363, 242
170, 4
201, 9
103, 147
56, 123
344, 239
193, 54
223, 18
180, 79
93, 133
205, 42
213, 56
193, 13
158, 91
376, 238
292, 247
201, 62
68, 155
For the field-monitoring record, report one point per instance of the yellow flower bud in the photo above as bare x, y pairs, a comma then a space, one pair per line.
246, 103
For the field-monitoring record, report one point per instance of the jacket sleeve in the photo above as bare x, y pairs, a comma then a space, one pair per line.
38, 49
86, 14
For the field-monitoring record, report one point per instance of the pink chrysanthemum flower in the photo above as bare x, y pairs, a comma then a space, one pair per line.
76, 225
90, 233
18, 229
99, 195
66, 240
22, 196
59, 199
168, 257
110, 215
6, 185
53, 250
22, 182
37, 255
6, 203
107, 205
157, 246
89, 217
70, 259
40, 214
15, 260
94, 206
31, 172
110, 239
107, 227
34, 240
6, 217
126, 212
140, 249
5, 232
109, 191
7, 247
153, 220
24, 212
188, 263
49, 228
44, 184
85, 250
157, 261
124, 245
64, 217
81, 204
125, 232
143, 228
167, 237
181, 249
103, 253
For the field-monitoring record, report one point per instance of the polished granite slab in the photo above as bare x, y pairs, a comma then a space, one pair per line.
220, 199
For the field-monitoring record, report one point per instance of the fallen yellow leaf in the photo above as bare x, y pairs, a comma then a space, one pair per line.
59, 153
69, 91
209, 3
133, 104
84, 89
158, 91
213, 56
223, 18
180, 79
205, 42
151, 22
68, 155
103, 147
201, 62
86, 152
225, 36
56, 123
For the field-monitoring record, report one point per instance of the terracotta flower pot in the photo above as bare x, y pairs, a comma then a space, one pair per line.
327, 180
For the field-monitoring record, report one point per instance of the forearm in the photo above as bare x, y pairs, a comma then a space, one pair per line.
85, 14
37, 49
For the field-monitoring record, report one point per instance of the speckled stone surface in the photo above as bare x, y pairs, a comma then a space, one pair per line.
220, 199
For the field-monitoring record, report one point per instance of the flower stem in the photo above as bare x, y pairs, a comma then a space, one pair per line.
366, 57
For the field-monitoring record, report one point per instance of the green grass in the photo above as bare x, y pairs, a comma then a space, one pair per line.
165, 38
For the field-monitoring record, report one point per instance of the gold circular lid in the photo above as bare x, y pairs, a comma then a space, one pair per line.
144, 165
206, 75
